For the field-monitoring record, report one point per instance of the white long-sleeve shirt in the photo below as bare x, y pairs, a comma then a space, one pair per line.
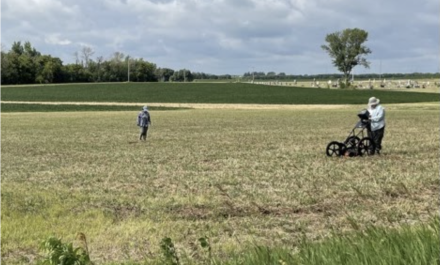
377, 117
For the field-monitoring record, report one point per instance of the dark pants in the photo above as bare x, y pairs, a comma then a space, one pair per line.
143, 135
377, 137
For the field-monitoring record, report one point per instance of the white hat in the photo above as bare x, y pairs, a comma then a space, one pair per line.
373, 101
145, 107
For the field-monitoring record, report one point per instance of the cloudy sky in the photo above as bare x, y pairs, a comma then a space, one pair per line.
229, 36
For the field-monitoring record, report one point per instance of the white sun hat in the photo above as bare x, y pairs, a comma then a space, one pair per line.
373, 101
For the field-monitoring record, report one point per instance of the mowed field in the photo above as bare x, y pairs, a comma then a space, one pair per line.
240, 177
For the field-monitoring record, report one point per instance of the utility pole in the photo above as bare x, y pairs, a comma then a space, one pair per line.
128, 68
380, 69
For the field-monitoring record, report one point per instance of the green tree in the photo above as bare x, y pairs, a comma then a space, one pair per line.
142, 71
182, 75
29, 50
12, 71
271, 74
4, 67
86, 53
49, 69
17, 48
20, 64
347, 50
26, 69
164, 74
118, 67
77, 73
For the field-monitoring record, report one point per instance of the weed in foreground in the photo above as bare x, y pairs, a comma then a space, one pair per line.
373, 245
58, 252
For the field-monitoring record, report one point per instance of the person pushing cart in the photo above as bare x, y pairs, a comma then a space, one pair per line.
366, 137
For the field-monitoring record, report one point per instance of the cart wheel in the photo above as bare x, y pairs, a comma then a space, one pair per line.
352, 142
366, 146
335, 149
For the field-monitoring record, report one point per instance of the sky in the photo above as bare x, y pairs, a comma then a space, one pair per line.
229, 36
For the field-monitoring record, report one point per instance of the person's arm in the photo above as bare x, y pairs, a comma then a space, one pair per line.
378, 115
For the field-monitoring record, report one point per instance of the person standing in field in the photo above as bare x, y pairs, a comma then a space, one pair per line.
377, 122
143, 121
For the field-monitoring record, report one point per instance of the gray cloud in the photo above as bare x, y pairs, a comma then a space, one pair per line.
228, 36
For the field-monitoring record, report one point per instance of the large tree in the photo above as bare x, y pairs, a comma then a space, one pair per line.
86, 53
48, 69
347, 50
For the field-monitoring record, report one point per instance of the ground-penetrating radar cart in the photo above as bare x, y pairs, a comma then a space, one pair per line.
358, 142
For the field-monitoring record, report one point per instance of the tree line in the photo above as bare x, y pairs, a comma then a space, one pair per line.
23, 64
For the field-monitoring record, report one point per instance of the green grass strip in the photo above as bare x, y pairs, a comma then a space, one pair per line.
374, 246
237, 93
12, 107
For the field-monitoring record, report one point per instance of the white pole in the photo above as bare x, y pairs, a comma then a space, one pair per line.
128, 71
380, 69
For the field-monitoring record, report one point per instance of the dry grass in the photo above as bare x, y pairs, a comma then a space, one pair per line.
236, 176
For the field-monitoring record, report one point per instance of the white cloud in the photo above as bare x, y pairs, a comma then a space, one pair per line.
227, 36
55, 40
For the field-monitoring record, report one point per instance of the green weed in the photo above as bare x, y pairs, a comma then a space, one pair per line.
59, 253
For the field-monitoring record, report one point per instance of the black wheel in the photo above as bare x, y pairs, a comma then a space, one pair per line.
352, 142
335, 149
366, 146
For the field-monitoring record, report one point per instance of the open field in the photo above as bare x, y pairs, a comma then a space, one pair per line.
237, 176
208, 93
